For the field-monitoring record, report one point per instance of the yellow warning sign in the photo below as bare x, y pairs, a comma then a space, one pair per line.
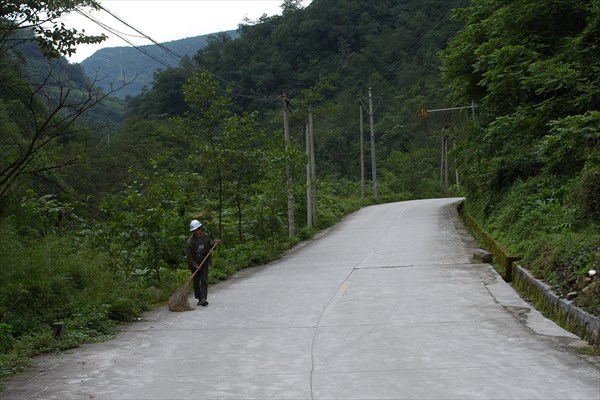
422, 112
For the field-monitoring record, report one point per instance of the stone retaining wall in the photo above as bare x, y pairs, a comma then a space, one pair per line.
504, 260
561, 311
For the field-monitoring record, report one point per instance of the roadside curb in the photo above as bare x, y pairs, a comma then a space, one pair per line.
562, 311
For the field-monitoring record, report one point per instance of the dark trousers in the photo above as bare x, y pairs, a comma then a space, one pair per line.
201, 283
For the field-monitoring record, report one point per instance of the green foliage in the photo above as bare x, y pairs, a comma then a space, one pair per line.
412, 174
44, 19
123, 310
336, 200
532, 179
40, 108
6, 338
90, 320
570, 142
142, 230
12, 363
558, 259
589, 189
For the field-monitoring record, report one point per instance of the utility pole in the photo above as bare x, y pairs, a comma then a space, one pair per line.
313, 170
455, 165
422, 112
308, 180
362, 156
373, 162
442, 158
444, 164
311, 177
372, 128
290, 195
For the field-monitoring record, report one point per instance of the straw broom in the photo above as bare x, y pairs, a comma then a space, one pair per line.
179, 300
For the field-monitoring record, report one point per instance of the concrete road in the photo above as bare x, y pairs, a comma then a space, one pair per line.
386, 305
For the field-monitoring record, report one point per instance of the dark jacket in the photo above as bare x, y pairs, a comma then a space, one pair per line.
197, 248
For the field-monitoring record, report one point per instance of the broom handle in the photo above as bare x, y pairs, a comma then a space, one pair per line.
205, 257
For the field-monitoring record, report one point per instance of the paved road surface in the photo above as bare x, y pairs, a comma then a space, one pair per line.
386, 305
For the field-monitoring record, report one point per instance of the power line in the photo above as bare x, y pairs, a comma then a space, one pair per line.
335, 124
251, 94
116, 33
166, 49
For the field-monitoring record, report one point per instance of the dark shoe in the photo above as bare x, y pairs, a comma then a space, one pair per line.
199, 303
203, 302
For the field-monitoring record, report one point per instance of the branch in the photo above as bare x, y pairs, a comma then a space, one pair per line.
50, 127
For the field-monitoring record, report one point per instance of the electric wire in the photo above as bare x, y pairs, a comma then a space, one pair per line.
116, 33
251, 94
166, 49
335, 124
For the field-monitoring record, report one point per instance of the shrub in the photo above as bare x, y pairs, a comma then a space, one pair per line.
123, 310
589, 190
558, 258
6, 338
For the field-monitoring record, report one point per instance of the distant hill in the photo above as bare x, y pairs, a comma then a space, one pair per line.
61, 77
115, 65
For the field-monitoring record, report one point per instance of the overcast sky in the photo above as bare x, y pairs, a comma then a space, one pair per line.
166, 20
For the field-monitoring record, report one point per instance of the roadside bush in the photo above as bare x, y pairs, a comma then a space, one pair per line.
51, 279
123, 309
6, 338
589, 189
91, 320
12, 363
559, 259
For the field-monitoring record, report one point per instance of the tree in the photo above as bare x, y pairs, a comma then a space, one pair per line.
142, 231
289, 6
226, 148
531, 66
46, 108
42, 18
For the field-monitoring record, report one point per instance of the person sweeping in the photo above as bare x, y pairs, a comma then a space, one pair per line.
198, 247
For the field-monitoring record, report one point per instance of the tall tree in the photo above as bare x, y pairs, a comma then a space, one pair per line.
45, 109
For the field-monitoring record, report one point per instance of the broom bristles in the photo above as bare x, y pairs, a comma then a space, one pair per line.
179, 299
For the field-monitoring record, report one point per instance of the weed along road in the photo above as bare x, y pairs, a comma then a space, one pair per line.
385, 305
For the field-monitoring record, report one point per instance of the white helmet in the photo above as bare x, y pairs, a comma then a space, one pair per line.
195, 224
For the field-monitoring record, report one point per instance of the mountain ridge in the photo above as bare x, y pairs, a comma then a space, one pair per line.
135, 67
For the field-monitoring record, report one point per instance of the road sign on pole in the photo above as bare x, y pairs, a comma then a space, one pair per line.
422, 112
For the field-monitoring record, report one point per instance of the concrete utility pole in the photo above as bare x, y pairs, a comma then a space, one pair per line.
445, 162
455, 165
373, 162
312, 216
313, 171
372, 128
362, 156
442, 159
308, 180
290, 195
